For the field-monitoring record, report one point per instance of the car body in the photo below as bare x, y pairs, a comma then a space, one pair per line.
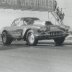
32, 29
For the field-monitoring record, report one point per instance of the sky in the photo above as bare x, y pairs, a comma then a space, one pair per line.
8, 15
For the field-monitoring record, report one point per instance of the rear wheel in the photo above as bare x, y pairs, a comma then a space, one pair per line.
31, 39
59, 41
6, 39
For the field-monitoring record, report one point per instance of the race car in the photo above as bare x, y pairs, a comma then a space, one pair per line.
31, 30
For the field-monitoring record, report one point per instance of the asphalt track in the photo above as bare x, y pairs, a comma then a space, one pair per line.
45, 57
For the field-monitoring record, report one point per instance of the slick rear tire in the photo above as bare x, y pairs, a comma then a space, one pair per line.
6, 40
59, 41
31, 39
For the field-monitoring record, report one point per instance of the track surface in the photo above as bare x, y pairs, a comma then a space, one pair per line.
45, 57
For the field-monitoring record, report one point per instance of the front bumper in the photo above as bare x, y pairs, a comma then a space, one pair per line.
50, 36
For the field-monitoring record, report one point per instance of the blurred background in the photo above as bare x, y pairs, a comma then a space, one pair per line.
8, 15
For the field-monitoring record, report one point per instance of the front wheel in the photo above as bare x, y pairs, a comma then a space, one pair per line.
59, 41
31, 39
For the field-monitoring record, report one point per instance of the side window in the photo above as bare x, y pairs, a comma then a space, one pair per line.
24, 23
20, 23
29, 21
14, 23
17, 22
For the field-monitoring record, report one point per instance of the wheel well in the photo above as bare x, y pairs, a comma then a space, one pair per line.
6, 33
26, 34
3, 31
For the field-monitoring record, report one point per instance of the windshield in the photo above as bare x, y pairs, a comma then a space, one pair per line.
30, 21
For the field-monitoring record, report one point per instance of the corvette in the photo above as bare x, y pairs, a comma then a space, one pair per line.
31, 29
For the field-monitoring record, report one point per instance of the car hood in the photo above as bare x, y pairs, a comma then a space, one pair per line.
41, 24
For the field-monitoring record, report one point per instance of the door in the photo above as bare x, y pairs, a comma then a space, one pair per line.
16, 28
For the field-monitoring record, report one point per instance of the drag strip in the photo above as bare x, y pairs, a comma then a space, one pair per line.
45, 57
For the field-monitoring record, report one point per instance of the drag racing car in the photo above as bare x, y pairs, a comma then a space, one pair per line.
31, 30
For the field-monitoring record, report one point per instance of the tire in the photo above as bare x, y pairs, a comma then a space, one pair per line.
59, 41
31, 39
6, 40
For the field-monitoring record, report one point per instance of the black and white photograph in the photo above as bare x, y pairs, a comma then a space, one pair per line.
35, 36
